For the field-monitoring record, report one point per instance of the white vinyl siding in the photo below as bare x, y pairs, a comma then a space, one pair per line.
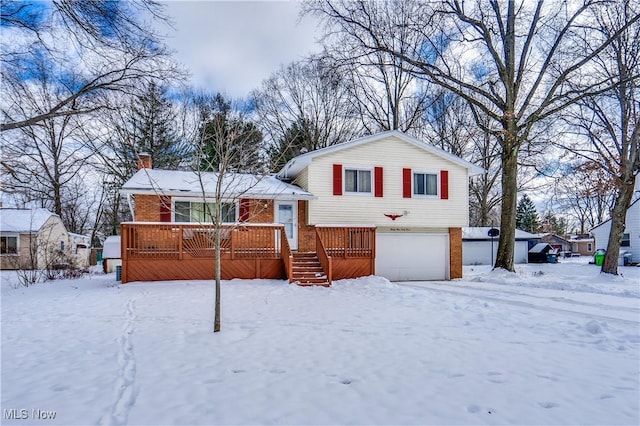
392, 154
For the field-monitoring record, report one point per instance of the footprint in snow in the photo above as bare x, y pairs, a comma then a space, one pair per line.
548, 404
346, 381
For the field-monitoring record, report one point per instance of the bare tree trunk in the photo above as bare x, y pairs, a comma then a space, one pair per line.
618, 219
218, 232
506, 245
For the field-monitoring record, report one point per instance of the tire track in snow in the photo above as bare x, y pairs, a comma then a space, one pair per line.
562, 299
560, 306
125, 392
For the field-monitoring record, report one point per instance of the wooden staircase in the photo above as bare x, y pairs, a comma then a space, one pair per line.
306, 270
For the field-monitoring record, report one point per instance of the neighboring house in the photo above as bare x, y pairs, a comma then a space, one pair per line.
31, 239
582, 246
478, 248
387, 204
631, 237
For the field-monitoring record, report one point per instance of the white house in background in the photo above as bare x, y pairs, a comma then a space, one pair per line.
31, 238
631, 238
478, 248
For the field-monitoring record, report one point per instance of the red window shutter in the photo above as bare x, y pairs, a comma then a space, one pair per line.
165, 209
244, 210
406, 183
337, 179
377, 177
444, 184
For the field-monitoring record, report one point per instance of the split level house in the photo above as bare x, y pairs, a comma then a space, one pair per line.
386, 204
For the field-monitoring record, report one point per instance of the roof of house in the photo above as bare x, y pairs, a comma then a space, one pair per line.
482, 233
299, 163
541, 248
187, 183
636, 203
19, 221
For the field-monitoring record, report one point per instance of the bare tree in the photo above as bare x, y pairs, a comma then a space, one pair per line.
585, 192
510, 60
221, 147
610, 121
88, 48
311, 95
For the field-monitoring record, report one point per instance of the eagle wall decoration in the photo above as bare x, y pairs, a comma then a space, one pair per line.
393, 216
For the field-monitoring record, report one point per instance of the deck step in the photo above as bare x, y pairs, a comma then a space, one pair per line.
307, 270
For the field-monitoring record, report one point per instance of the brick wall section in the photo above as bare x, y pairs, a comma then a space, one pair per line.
260, 211
306, 233
147, 208
455, 253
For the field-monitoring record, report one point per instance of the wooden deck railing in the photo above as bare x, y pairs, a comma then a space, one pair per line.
325, 260
182, 240
348, 241
287, 256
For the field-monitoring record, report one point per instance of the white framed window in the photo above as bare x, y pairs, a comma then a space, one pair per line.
425, 183
626, 240
357, 181
9, 244
199, 212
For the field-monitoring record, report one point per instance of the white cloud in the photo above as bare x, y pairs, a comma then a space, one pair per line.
232, 46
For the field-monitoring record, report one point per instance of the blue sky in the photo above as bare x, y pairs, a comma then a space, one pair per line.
232, 46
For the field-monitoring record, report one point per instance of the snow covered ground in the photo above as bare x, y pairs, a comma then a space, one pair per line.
552, 344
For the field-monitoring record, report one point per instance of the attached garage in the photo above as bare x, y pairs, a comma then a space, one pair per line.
412, 256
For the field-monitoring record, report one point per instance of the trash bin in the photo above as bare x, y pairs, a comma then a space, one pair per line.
552, 258
99, 256
624, 259
118, 272
599, 257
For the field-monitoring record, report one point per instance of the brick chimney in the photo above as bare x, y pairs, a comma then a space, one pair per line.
144, 161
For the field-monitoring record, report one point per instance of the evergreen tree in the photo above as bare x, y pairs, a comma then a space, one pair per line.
294, 142
526, 215
221, 125
152, 129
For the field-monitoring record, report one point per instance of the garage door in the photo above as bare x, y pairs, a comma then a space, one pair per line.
412, 257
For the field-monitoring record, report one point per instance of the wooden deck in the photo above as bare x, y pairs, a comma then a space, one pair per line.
180, 251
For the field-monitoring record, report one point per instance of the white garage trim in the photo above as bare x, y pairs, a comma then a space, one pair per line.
412, 256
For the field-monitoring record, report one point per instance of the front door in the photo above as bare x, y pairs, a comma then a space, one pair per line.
287, 214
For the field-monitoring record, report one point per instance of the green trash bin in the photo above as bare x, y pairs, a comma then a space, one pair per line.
599, 257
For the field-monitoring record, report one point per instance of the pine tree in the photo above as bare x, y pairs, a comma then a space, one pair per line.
151, 126
526, 215
221, 125
294, 142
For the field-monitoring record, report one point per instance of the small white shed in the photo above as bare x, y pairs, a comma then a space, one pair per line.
479, 248
111, 254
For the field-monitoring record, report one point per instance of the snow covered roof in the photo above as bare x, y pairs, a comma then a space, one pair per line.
299, 163
482, 233
111, 247
541, 248
23, 220
187, 183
